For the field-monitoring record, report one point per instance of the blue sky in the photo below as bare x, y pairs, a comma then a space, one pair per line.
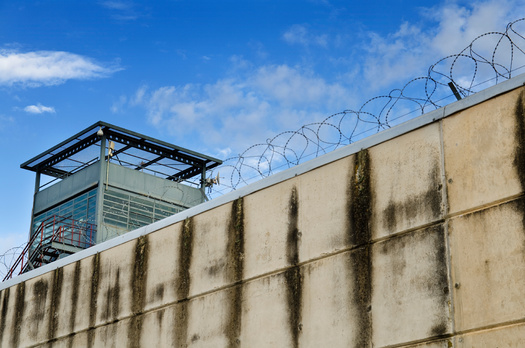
213, 76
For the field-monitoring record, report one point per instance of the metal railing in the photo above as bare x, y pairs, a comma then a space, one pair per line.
43, 242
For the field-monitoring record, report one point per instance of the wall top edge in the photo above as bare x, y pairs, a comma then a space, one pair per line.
302, 168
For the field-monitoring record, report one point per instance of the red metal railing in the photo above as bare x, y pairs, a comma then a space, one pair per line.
57, 229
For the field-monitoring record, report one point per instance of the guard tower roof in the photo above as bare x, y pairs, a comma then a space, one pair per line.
131, 149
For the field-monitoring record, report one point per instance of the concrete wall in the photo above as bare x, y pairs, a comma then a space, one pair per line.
416, 241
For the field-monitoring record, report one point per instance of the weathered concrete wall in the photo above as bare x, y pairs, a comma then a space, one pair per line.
418, 241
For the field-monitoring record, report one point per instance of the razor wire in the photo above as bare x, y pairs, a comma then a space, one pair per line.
489, 59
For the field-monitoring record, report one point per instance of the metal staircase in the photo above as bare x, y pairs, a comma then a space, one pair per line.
56, 237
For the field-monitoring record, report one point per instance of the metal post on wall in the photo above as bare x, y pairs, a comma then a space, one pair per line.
100, 190
37, 182
203, 182
37, 188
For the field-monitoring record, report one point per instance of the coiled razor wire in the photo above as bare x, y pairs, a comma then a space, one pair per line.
467, 71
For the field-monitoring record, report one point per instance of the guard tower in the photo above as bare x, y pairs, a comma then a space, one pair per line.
103, 182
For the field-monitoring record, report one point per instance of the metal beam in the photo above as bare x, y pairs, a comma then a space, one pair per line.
144, 165
190, 172
185, 174
67, 152
56, 173
155, 149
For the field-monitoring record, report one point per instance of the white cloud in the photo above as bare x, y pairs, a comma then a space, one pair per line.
39, 109
291, 86
45, 68
459, 25
238, 111
299, 34
448, 29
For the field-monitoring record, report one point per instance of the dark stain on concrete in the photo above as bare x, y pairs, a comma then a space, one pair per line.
439, 329
214, 270
183, 284
74, 296
18, 314
432, 280
293, 276
185, 257
3, 312
359, 234
441, 262
134, 331
138, 290
139, 278
90, 337
111, 308
439, 284
93, 297
359, 202
292, 237
159, 292
519, 152
40, 289
294, 281
234, 269
54, 308
160, 318
428, 203
361, 295
71, 340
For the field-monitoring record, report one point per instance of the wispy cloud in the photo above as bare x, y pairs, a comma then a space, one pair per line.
121, 10
239, 110
39, 109
116, 5
300, 34
448, 29
5, 121
45, 68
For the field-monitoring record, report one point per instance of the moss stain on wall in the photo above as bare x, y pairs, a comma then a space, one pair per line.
359, 205
138, 286
3, 313
359, 234
182, 285
75, 286
293, 276
54, 308
234, 269
18, 314
95, 266
519, 152
39, 290
426, 204
111, 307
439, 283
